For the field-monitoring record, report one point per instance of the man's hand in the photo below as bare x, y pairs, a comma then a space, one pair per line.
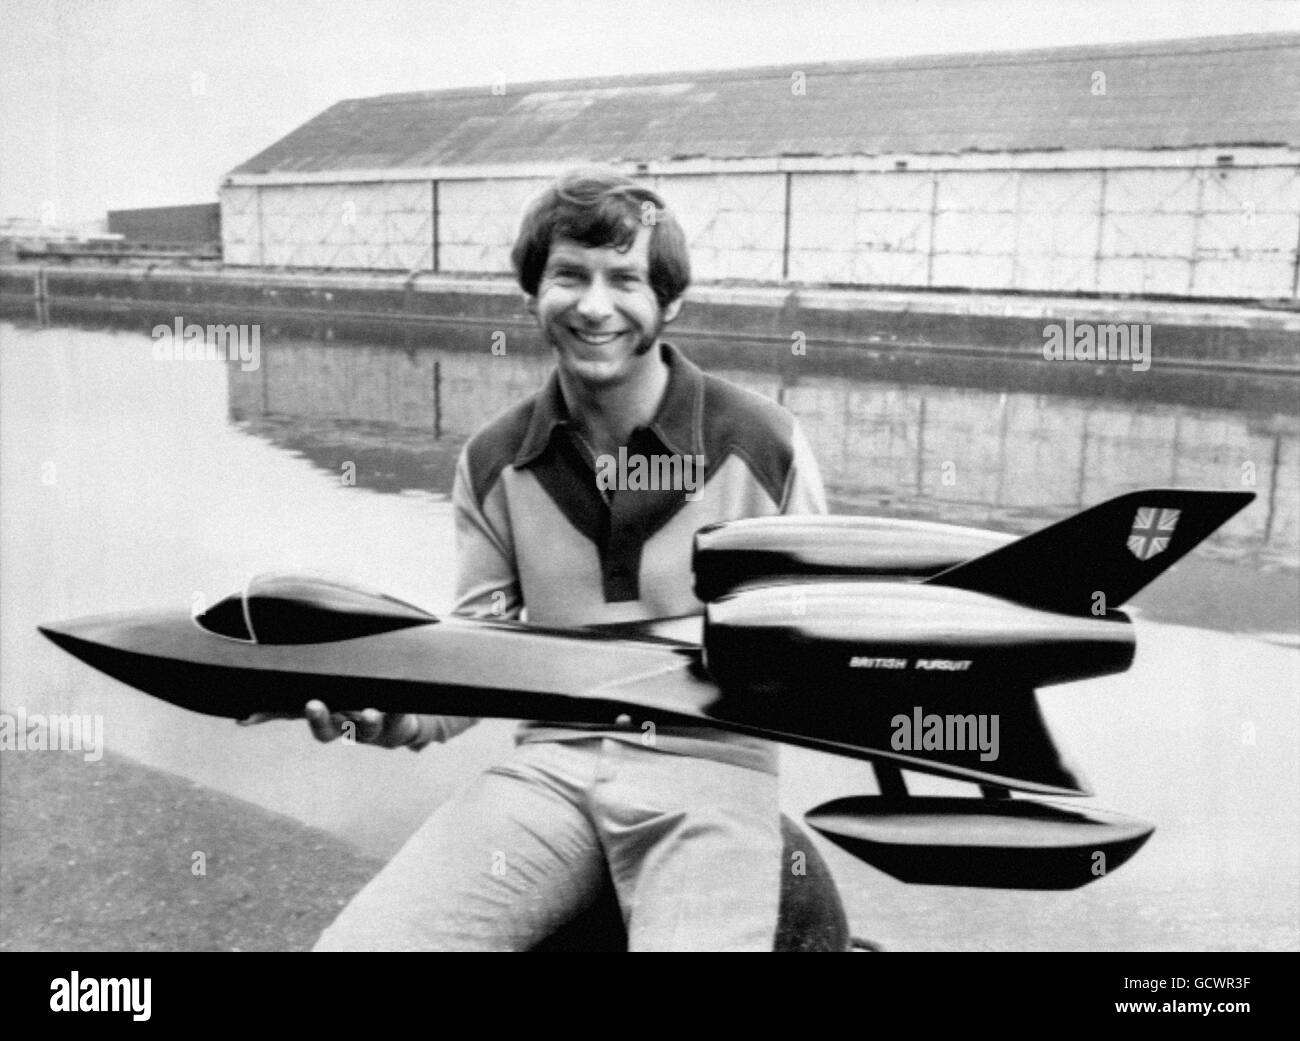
369, 727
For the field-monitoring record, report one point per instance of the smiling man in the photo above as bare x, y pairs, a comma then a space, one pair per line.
685, 820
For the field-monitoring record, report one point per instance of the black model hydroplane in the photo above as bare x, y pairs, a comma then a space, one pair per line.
913, 645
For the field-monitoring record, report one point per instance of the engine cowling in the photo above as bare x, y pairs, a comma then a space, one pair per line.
860, 638
764, 550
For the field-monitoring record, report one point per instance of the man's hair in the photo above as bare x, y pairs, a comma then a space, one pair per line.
599, 207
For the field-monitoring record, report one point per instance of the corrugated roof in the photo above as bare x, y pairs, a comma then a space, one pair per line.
1232, 90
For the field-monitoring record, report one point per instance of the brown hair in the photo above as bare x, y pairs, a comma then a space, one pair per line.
599, 207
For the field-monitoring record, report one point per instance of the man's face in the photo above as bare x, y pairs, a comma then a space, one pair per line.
596, 307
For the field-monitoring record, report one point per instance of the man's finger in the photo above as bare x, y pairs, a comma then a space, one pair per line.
322, 724
400, 729
370, 725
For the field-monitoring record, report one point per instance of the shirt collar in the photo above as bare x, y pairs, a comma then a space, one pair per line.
678, 423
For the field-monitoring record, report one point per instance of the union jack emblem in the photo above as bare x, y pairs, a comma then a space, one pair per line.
1152, 529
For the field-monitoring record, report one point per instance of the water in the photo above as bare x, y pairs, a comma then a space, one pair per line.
128, 482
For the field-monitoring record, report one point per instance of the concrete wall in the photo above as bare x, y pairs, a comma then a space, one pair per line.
377, 226
1187, 231
1220, 232
735, 223
478, 221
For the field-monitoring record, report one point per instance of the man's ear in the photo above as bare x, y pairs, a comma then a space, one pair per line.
672, 309
530, 304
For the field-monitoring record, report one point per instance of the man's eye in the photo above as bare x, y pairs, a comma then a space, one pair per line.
627, 279
565, 274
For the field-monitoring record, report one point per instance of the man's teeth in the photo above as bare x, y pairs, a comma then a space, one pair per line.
596, 338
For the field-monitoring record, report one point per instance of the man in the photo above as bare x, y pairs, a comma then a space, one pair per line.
686, 820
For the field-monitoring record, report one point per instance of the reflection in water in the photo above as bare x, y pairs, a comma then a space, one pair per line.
1007, 460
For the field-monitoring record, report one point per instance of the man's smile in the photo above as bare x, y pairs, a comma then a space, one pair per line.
596, 339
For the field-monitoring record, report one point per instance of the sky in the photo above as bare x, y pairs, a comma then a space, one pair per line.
108, 104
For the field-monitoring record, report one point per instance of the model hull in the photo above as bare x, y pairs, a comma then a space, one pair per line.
511, 670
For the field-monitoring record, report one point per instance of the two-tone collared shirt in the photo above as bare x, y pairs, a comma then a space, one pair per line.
547, 532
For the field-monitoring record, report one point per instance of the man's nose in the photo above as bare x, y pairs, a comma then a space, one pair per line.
595, 304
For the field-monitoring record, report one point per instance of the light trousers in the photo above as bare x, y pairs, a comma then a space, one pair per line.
693, 847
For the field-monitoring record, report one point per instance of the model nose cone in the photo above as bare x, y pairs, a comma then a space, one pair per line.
83, 639
112, 643
63, 634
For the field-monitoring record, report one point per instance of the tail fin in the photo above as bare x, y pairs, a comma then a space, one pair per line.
1113, 549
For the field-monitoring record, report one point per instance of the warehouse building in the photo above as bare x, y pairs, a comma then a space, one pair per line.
1156, 169
197, 226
